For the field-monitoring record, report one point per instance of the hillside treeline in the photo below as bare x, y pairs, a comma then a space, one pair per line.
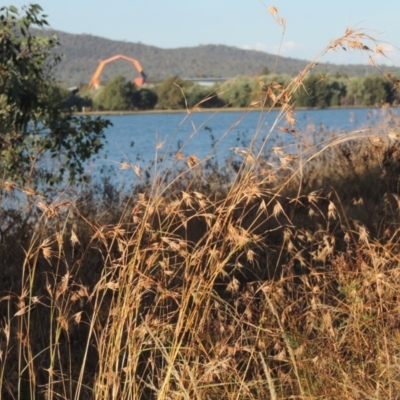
317, 91
82, 54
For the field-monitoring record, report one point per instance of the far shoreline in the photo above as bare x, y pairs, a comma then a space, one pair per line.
215, 110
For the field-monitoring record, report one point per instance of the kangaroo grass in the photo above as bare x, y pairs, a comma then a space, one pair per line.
273, 276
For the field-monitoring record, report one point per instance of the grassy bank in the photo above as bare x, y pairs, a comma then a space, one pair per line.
270, 278
267, 277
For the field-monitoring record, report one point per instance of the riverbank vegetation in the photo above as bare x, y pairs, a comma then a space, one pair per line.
317, 91
272, 276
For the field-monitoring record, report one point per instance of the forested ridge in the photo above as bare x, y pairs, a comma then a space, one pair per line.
82, 53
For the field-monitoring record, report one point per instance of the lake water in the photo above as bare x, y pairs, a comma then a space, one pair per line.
139, 139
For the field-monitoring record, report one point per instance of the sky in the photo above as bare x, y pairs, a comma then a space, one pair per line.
246, 24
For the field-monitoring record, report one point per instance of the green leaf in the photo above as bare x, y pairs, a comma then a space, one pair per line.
33, 124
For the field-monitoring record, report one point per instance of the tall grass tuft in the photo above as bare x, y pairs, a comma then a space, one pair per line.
275, 277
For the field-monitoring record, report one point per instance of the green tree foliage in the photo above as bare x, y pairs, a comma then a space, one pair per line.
33, 127
122, 95
239, 92
117, 95
316, 92
176, 93
369, 91
376, 90
73, 101
145, 99
170, 93
204, 97
338, 91
354, 95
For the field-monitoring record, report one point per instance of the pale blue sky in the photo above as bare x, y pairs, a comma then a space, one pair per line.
310, 24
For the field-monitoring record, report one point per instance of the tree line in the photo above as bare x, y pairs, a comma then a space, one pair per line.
316, 91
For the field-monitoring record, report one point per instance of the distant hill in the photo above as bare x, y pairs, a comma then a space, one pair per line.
83, 53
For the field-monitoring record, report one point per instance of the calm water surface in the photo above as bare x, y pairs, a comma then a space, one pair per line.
140, 138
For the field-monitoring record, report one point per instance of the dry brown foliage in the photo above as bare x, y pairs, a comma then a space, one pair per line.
276, 279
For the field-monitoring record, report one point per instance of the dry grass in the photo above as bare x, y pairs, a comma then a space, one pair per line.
277, 279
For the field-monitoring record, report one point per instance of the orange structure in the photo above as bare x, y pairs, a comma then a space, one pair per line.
139, 81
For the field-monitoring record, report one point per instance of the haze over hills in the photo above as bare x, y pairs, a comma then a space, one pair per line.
83, 53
